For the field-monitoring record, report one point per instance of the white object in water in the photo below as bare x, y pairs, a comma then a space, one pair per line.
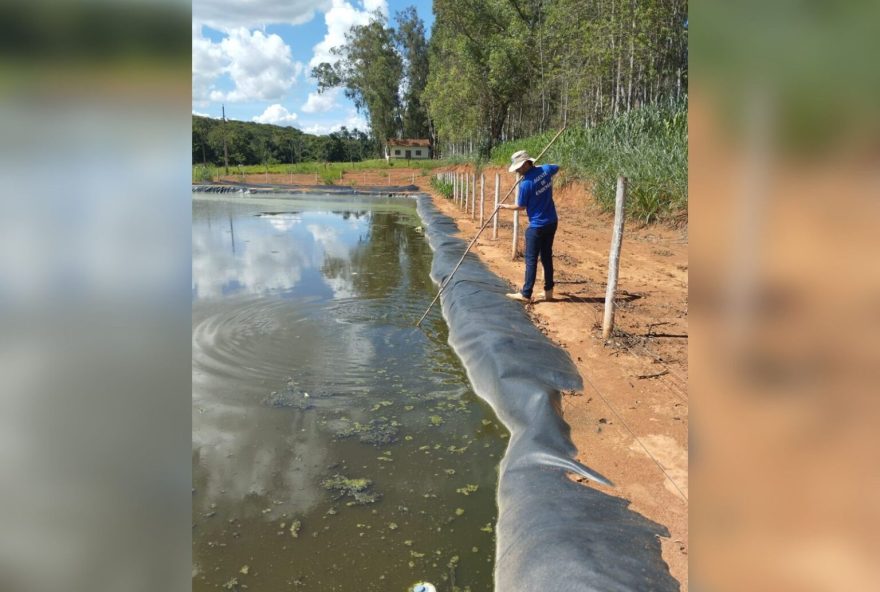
423, 587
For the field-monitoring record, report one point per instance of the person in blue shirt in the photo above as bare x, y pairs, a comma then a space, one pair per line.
536, 198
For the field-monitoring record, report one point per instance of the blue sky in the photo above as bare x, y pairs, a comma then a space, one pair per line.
255, 57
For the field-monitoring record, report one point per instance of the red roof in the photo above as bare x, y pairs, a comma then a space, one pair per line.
395, 142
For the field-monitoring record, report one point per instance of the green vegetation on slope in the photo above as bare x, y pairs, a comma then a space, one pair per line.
329, 173
647, 145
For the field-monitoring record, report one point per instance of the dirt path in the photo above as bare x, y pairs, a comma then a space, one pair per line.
399, 175
633, 413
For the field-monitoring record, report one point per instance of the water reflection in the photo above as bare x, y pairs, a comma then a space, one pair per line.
269, 252
303, 325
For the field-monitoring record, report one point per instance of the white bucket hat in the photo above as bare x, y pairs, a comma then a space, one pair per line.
518, 159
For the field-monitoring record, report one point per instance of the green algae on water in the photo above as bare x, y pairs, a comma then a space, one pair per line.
376, 432
357, 489
295, 527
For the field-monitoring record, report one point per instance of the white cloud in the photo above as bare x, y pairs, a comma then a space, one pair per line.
208, 62
204, 115
226, 15
325, 127
260, 66
276, 114
341, 17
323, 102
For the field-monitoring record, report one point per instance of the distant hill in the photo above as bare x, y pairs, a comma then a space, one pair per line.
249, 143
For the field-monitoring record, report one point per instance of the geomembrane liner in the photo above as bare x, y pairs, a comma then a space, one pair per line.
552, 534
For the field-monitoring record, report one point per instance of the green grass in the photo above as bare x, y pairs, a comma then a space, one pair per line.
203, 174
444, 188
647, 145
328, 173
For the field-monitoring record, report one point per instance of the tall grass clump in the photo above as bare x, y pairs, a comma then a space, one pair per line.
444, 188
203, 173
647, 145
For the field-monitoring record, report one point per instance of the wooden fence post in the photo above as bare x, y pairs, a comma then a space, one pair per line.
482, 196
495, 219
515, 234
614, 257
460, 191
474, 197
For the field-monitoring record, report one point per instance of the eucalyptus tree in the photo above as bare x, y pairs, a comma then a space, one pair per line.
370, 70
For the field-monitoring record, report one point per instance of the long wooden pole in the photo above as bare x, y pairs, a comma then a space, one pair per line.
482, 228
614, 257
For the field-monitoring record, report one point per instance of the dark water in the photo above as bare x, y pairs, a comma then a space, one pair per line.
308, 378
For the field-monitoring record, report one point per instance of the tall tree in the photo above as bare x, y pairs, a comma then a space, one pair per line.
413, 48
503, 69
370, 70
481, 61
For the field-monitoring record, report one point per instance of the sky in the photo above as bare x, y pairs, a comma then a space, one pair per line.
255, 57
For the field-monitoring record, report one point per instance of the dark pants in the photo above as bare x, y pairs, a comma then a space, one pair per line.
539, 243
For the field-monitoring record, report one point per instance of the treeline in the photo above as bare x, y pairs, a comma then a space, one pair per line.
507, 69
249, 143
497, 70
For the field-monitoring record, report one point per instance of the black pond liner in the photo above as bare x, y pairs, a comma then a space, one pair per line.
552, 534
257, 189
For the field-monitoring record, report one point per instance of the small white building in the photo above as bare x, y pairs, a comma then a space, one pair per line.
408, 149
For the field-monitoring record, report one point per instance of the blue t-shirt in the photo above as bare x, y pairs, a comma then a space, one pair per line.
536, 195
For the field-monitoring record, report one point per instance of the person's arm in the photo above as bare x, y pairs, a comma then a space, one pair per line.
521, 198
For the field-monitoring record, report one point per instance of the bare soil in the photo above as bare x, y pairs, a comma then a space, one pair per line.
369, 178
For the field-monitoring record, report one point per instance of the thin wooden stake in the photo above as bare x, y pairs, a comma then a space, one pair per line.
495, 216
474, 197
515, 234
482, 195
614, 257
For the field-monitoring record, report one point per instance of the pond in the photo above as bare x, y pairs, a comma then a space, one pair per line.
335, 445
